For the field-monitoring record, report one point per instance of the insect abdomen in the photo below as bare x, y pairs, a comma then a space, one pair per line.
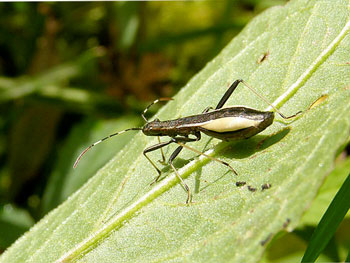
237, 128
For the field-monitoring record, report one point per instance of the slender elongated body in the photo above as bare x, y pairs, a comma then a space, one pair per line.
233, 123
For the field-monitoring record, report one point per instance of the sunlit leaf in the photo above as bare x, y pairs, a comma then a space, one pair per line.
290, 247
64, 180
117, 216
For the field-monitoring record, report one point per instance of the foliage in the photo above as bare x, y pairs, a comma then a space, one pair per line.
116, 214
66, 66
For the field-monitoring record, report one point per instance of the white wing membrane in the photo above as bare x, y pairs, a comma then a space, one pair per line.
227, 124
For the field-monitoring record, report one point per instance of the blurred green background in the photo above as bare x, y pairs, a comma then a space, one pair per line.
71, 73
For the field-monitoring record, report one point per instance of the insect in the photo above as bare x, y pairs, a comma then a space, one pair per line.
232, 123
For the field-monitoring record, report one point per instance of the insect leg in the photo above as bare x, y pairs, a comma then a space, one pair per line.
207, 109
162, 144
269, 103
176, 153
208, 156
228, 93
153, 148
225, 97
171, 159
162, 153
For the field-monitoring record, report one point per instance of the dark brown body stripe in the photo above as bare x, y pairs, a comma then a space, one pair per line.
185, 126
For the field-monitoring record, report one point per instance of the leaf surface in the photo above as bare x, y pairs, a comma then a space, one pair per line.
117, 216
64, 180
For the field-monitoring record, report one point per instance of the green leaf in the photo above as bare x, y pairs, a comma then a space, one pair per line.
11, 89
64, 180
326, 193
118, 216
127, 18
53, 86
290, 247
13, 223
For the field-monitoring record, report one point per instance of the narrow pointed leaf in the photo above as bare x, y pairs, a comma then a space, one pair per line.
329, 223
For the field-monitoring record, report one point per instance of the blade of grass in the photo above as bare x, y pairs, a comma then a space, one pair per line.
329, 223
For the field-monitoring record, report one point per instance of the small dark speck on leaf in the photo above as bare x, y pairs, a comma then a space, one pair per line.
240, 183
263, 242
263, 57
285, 224
252, 189
265, 186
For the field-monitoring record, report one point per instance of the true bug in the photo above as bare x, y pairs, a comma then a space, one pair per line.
233, 123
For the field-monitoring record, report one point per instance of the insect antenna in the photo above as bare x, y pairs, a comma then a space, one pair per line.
269, 103
154, 102
105, 138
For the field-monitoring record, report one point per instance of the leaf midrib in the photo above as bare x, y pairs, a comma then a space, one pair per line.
308, 73
169, 181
